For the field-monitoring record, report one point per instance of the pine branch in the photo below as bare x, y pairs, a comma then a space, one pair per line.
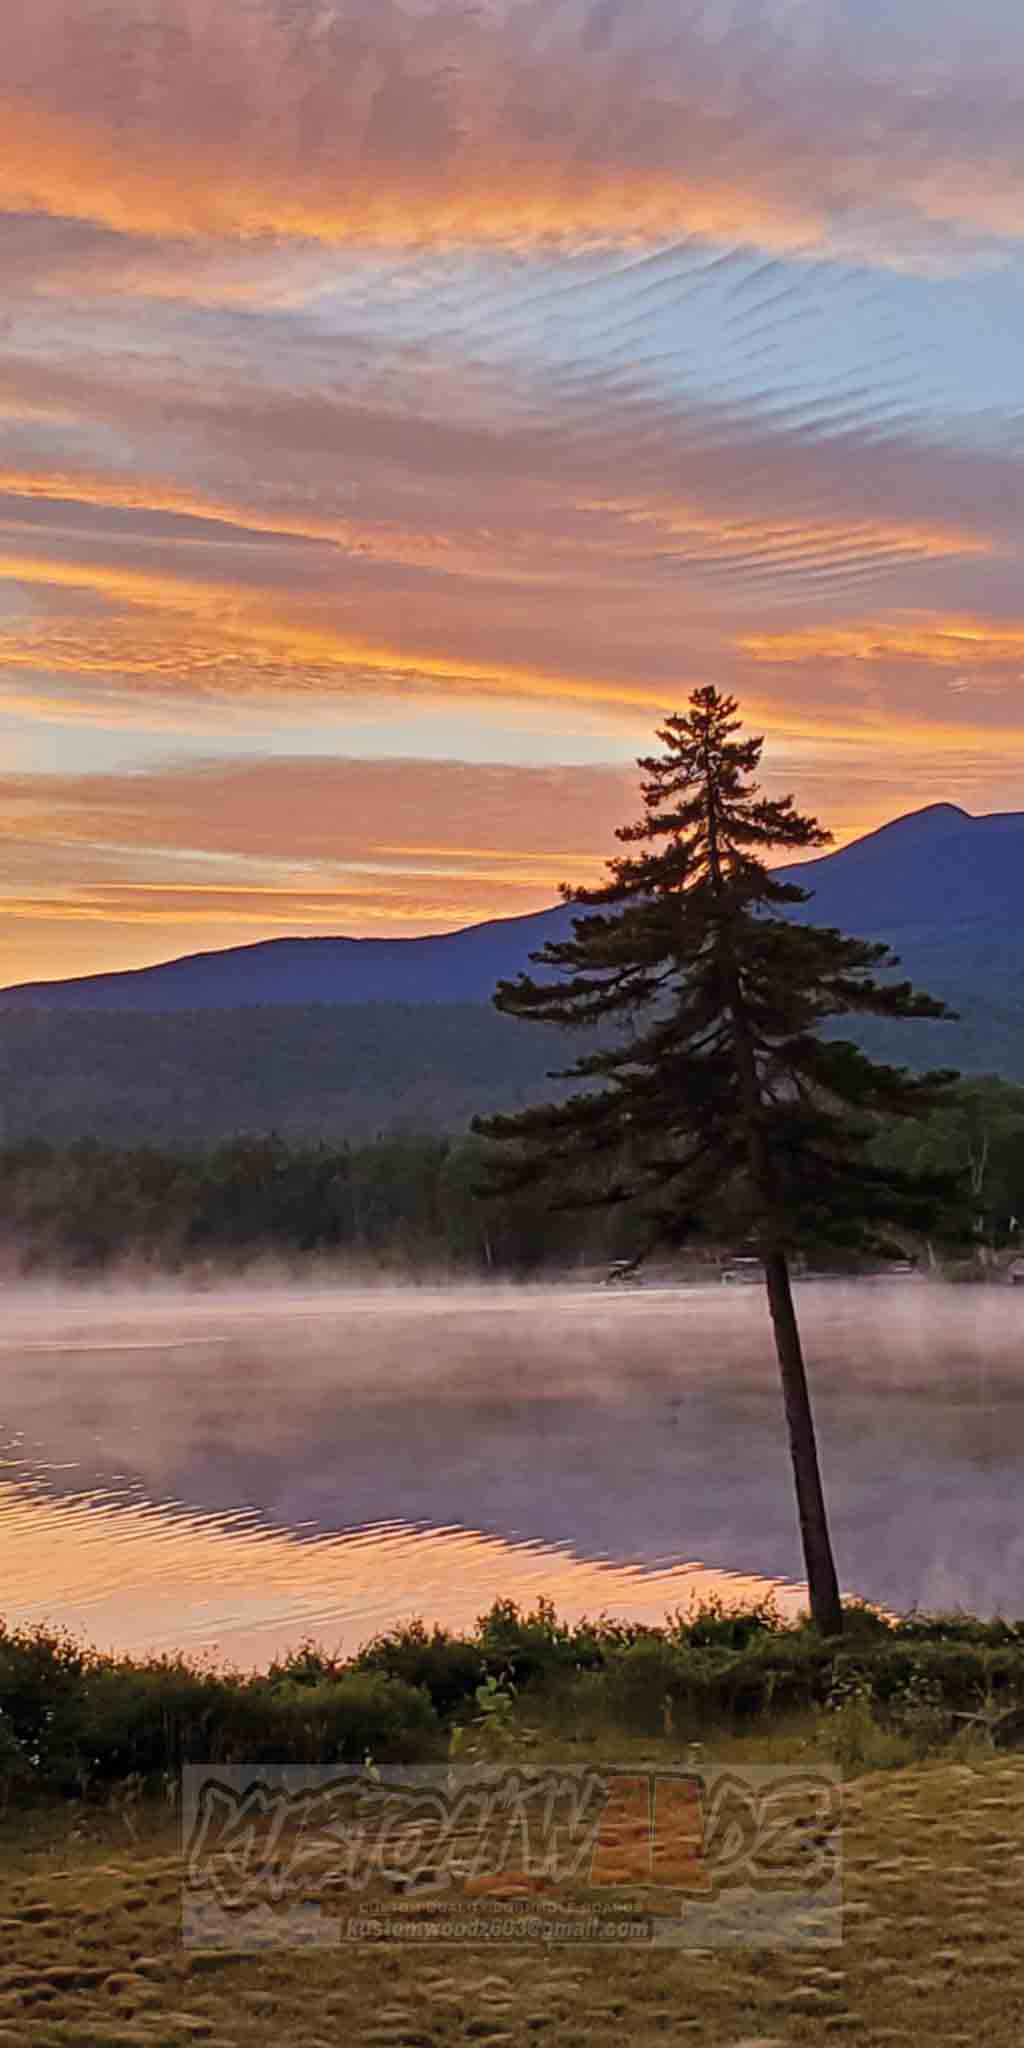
725, 1093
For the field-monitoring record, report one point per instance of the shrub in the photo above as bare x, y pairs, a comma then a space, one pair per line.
713, 1624
447, 1668
14, 1764
72, 1721
918, 1711
852, 1729
532, 1647
42, 1673
337, 1721
144, 1718
774, 1674
307, 1664
993, 1634
648, 1683
958, 1671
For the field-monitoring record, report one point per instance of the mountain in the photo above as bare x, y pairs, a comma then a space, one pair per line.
934, 868
341, 1072
938, 884
348, 1038
946, 891
452, 967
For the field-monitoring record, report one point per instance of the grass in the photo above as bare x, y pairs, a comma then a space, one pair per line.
933, 1947
933, 1844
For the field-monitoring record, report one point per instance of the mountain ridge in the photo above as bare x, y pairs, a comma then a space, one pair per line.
299, 1036
931, 872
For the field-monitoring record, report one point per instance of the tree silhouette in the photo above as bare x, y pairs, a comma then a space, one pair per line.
718, 1105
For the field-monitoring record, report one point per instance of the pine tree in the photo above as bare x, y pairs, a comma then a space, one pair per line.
717, 1104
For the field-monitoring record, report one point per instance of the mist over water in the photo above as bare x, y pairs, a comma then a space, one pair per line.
235, 1469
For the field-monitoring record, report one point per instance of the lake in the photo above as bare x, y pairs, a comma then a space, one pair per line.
230, 1471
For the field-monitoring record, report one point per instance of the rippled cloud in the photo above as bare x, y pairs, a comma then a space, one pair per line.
476, 372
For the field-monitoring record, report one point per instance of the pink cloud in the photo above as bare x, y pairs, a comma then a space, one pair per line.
377, 122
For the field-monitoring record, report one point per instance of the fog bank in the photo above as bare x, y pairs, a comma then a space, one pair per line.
633, 1430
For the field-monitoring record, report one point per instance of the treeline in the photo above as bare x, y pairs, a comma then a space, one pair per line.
400, 1203
981, 1138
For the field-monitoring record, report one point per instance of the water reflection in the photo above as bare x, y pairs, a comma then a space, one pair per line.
137, 1577
232, 1472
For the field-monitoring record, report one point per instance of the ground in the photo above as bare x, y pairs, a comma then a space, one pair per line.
933, 1950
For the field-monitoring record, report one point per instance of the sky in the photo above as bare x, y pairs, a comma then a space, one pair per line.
404, 406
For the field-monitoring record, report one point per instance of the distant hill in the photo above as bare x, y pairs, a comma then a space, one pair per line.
943, 887
451, 967
947, 892
323, 1071
345, 1038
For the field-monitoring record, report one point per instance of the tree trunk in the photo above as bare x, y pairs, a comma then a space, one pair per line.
822, 1583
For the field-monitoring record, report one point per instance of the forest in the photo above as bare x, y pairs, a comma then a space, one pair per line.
311, 1072
321, 1071
403, 1203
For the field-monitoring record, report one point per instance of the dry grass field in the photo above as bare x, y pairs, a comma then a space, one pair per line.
932, 1950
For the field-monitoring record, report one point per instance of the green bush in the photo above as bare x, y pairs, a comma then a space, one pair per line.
144, 1718
959, 1673
646, 1683
447, 1668
75, 1722
340, 1720
71, 1722
535, 1647
993, 1634
42, 1673
15, 1769
714, 1624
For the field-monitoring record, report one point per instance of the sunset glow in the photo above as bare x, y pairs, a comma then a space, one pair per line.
402, 407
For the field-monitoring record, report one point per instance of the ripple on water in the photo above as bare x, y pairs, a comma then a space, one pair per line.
231, 1471
140, 1575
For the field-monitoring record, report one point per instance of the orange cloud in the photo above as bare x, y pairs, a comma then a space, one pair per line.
270, 663
123, 869
725, 538
941, 642
184, 628
530, 825
71, 167
396, 126
232, 639
272, 910
485, 565
718, 536
380, 539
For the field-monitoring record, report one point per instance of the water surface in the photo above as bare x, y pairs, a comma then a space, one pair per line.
231, 1471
